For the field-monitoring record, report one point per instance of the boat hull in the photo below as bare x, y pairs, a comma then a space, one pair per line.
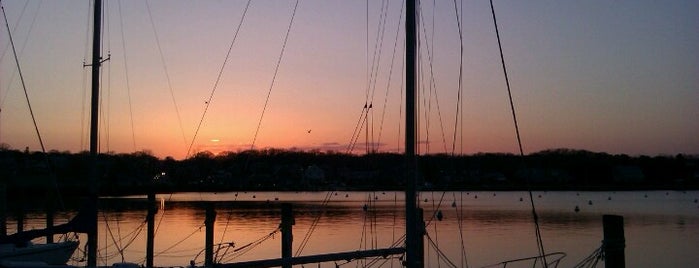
53, 253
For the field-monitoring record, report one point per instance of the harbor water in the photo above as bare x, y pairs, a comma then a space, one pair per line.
476, 228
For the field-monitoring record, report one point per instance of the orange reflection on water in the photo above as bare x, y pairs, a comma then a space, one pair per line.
492, 227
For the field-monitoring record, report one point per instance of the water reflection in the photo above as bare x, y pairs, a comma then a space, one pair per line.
494, 226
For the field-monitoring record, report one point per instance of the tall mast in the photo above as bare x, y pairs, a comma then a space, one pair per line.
413, 230
94, 113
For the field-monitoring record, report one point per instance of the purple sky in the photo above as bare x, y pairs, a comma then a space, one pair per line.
612, 76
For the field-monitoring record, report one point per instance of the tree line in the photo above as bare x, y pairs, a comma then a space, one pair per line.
281, 169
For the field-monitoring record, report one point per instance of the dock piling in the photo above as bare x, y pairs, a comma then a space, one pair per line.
614, 241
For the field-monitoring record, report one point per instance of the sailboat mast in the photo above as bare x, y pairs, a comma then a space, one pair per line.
94, 118
413, 231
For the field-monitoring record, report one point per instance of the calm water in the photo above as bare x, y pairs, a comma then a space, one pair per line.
661, 227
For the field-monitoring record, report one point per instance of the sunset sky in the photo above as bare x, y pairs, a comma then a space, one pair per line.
608, 76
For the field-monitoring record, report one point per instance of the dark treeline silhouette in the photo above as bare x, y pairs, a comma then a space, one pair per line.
279, 170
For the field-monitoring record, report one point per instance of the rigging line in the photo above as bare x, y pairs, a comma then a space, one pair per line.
314, 224
418, 80
365, 122
433, 87
225, 228
179, 242
274, 77
248, 247
31, 111
108, 34
439, 205
167, 75
357, 130
460, 224
372, 220
395, 208
21, 50
539, 240
362, 240
101, 109
436, 234
592, 259
366, 91
375, 223
14, 29
162, 216
400, 103
218, 78
114, 240
83, 127
376, 56
390, 74
459, 104
126, 72
421, 111
376, 61
439, 251
133, 235
429, 40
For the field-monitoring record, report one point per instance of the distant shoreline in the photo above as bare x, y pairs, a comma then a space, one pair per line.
281, 170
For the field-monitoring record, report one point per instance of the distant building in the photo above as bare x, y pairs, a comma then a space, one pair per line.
628, 174
314, 174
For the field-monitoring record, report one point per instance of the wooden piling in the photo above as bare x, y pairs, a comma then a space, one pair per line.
49, 214
287, 235
152, 209
209, 222
19, 211
614, 242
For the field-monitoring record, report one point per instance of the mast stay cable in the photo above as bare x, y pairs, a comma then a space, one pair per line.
390, 75
126, 71
274, 77
167, 75
218, 78
432, 86
29, 105
539, 241
21, 50
459, 104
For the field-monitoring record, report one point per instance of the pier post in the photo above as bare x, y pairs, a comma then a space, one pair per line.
209, 222
287, 235
614, 242
49, 214
151, 229
20, 212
